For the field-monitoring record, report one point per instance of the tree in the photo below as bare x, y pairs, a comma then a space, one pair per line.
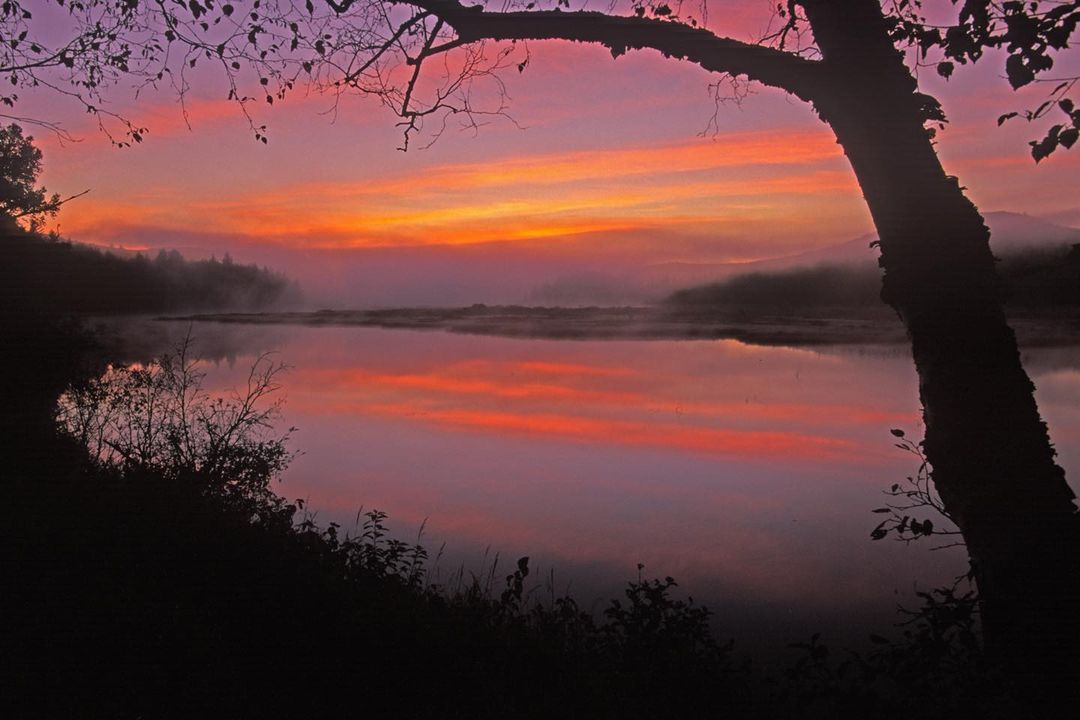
992, 460
20, 165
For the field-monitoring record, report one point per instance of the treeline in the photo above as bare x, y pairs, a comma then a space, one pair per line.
822, 287
1042, 279
50, 274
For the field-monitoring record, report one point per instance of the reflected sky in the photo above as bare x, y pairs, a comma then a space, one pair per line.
747, 473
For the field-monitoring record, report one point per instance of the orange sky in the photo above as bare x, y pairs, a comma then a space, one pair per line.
604, 152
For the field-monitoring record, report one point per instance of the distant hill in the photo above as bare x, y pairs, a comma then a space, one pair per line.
1039, 262
50, 274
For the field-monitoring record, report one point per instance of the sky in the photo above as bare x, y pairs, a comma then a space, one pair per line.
608, 168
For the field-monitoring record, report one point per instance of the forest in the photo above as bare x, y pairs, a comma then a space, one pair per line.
1045, 280
39, 272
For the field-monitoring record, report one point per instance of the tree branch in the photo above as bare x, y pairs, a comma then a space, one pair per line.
798, 76
50, 207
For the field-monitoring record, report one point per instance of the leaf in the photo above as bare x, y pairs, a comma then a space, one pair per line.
897, 432
945, 69
1068, 138
1043, 148
1007, 116
1018, 72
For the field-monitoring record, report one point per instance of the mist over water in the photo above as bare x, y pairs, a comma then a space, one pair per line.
748, 473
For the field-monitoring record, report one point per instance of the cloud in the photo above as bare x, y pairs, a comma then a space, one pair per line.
696, 187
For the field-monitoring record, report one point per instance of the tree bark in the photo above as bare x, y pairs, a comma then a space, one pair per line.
991, 457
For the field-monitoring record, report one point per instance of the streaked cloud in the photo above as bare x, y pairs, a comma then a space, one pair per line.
694, 186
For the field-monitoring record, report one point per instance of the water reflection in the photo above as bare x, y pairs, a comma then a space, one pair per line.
746, 472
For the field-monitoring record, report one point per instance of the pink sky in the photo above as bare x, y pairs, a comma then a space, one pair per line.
606, 170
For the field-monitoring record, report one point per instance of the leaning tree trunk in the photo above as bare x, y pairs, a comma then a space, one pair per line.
991, 457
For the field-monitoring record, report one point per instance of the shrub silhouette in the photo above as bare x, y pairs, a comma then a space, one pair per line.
158, 418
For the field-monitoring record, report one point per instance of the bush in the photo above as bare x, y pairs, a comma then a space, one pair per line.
158, 418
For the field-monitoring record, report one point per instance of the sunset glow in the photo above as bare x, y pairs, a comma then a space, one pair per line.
607, 166
541, 358
694, 185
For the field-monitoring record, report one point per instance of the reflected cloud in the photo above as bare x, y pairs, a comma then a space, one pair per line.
592, 404
745, 471
720, 442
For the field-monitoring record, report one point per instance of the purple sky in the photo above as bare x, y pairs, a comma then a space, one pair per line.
608, 169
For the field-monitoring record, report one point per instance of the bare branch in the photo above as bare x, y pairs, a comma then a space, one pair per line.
50, 207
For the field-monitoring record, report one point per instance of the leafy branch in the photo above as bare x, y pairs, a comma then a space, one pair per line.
916, 494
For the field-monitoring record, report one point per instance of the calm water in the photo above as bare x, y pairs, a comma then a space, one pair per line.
747, 473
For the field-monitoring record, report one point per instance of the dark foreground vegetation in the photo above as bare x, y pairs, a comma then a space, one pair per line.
161, 576
62, 276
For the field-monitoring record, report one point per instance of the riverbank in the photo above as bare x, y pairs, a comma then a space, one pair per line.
875, 326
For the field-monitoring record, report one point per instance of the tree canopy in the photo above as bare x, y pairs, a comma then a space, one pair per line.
265, 49
20, 165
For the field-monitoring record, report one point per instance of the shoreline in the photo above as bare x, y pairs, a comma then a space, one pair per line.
642, 323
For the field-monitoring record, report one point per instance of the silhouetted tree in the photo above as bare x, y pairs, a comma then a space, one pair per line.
992, 460
20, 165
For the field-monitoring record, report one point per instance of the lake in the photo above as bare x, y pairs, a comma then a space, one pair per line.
748, 473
